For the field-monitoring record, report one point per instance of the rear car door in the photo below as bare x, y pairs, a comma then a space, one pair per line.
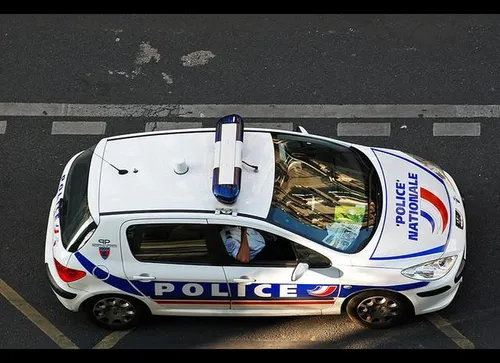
170, 263
272, 283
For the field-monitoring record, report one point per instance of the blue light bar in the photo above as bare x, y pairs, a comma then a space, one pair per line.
226, 181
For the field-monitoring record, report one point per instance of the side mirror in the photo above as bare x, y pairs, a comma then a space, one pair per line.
299, 271
302, 129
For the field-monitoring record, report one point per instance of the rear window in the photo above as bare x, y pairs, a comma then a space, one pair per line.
74, 209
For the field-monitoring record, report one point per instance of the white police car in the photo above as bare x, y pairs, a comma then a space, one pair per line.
375, 233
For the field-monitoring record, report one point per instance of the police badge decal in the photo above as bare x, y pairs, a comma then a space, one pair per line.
104, 246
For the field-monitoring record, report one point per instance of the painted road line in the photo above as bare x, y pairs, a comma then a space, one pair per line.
78, 128
109, 341
252, 110
160, 126
363, 129
166, 125
456, 129
271, 125
450, 331
3, 127
36, 318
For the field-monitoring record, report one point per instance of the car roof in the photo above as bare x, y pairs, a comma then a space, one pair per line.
151, 184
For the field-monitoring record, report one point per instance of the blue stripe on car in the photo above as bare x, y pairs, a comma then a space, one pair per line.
115, 281
302, 290
347, 290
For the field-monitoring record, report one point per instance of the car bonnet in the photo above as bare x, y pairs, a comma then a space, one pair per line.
416, 217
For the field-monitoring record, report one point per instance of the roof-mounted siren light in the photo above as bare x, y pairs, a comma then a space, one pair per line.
226, 181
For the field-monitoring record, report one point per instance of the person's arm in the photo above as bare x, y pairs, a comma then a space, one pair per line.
244, 252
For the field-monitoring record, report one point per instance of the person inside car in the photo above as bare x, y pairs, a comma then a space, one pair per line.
242, 243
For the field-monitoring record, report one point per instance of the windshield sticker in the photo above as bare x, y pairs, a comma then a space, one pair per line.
342, 235
349, 214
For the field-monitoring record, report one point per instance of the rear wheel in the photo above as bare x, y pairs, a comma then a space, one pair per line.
379, 309
115, 312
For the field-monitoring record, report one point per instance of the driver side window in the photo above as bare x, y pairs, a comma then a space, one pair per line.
313, 258
279, 251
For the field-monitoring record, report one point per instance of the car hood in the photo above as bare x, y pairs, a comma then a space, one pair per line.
416, 217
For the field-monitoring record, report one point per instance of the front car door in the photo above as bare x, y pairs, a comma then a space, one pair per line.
267, 285
170, 263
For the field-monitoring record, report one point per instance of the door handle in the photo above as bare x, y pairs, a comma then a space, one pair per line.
244, 279
143, 277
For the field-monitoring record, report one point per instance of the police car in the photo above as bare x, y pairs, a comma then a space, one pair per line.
134, 228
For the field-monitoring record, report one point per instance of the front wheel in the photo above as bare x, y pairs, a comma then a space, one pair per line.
379, 309
114, 312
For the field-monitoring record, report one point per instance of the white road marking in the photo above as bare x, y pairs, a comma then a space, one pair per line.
250, 111
167, 125
167, 77
3, 127
197, 58
159, 126
363, 129
146, 54
78, 128
456, 129
271, 125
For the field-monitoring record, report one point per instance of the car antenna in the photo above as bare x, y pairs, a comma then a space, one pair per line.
255, 167
120, 171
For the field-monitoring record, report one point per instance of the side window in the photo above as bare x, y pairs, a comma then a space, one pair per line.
279, 249
167, 243
313, 258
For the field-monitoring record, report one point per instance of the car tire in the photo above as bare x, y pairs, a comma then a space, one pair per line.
115, 312
379, 309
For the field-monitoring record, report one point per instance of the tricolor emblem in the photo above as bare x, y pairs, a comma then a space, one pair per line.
104, 251
434, 206
322, 290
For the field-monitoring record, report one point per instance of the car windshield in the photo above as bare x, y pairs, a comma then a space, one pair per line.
323, 191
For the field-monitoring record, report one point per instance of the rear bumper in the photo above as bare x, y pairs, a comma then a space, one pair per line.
66, 295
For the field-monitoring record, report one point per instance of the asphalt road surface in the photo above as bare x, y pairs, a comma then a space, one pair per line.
435, 79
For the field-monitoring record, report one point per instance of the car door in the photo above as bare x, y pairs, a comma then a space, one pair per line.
170, 263
278, 281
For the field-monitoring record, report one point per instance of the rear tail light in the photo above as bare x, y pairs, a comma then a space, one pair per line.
68, 274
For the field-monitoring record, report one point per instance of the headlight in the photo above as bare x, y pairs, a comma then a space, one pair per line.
431, 270
429, 164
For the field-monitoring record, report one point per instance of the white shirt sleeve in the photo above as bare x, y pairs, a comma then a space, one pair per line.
232, 241
231, 237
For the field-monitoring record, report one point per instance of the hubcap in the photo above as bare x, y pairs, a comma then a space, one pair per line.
378, 309
113, 311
